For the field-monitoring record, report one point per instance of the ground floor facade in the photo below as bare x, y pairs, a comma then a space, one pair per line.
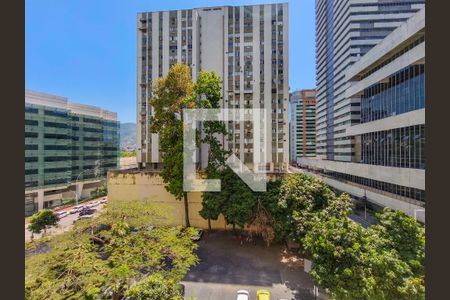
398, 188
49, 197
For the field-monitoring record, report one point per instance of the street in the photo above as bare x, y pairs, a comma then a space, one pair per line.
226, 267
65, 223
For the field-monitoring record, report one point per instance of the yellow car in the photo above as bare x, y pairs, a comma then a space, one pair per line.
263, 295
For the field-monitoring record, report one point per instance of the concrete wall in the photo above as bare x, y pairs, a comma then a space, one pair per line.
411, 118
402, 176
394, 40
149, 185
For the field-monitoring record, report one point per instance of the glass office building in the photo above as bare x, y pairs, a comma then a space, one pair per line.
345, 32
387, 163
65, 144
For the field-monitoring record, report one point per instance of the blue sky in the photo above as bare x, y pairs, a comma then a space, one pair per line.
86, 50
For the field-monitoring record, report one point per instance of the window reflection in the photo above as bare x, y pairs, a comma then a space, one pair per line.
402, 92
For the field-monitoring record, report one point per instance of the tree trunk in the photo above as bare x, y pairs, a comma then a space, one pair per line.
209, 226
115, 296
186, 209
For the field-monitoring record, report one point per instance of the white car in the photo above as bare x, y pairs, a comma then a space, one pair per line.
76, 209
243, 295
62, 214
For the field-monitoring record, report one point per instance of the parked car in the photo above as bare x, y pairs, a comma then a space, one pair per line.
62, 214
73, 211
78, 207
262, 295
104, 200
243, 295
93, 204
87, 211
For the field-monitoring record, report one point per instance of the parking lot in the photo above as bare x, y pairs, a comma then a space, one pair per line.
226, 266
66, 222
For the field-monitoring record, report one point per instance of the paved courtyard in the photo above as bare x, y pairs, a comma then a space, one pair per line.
226, 266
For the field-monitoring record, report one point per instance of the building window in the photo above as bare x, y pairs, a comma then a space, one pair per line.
400, 147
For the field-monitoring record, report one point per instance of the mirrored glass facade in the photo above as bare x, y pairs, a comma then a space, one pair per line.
402, 92
400, 147
62, 147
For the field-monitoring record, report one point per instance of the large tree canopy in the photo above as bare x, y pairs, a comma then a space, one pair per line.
112, 254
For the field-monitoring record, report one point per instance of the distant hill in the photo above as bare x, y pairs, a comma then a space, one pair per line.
128, 135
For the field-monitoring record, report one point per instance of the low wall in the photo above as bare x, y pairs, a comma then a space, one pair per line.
140, 185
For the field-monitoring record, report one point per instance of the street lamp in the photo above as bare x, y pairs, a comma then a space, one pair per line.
364, 199
97, 167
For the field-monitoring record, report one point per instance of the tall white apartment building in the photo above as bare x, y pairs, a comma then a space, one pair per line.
247, 46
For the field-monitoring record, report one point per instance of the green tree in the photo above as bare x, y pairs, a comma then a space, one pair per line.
305, 201
41, 221
212, 206
268, 202
106, 256
404, 235
397, 256
383, 262
155, 287
240, 201
125, 153
337, 248
207, 89
171, 94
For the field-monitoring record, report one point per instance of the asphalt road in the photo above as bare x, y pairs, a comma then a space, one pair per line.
226, 267
65, 223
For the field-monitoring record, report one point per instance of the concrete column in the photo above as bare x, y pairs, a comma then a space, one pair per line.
40, 198
78, 190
